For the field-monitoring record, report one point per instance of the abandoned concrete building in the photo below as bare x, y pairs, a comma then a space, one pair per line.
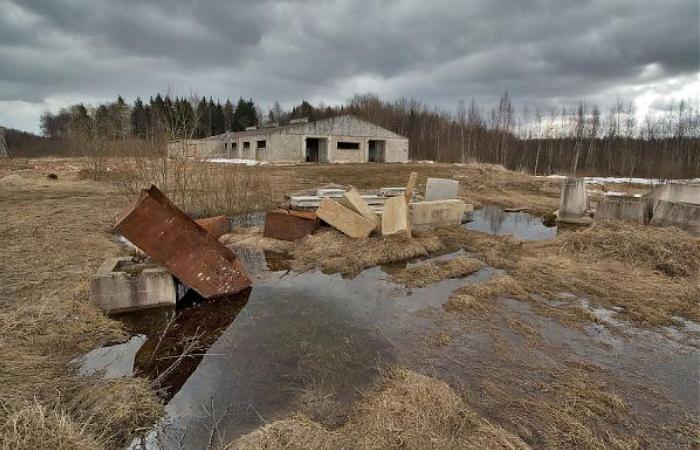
338, 139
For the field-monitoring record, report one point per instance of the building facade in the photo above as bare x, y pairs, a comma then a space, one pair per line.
338, 139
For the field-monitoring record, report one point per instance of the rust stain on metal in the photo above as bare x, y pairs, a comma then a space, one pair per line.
288, 225
215, 226
171, 238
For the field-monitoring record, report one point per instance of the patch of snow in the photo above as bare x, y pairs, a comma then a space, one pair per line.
247, 162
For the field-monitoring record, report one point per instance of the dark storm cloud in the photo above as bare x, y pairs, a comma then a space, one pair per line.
544, 52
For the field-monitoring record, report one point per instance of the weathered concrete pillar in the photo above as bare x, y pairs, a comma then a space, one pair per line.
573, 202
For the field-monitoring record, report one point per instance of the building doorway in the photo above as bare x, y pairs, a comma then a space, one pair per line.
316, 150
375, 151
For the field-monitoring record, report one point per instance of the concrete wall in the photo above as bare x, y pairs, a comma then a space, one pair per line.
685, 216
621, 208
673, 192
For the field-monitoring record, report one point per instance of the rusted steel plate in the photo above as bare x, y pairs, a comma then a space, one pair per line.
216, 226
172, 239
287, 225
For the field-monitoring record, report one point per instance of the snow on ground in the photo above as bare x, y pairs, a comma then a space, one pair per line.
247, 162
632, 180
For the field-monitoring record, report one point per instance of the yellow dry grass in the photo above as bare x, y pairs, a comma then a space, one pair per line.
478, 296
410, 410
54, 234
424, 274
332, 251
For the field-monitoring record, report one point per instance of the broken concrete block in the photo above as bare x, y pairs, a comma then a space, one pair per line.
672, 192
172, 239
436, 214
621, 208
392, 191
353, 201
344, 220
395, 217
441, 189
215, 226
289, 225
117, 287
685, 216
573, 202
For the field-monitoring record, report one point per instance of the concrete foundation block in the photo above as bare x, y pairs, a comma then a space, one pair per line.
685, 216
672, 192
120, 286
395, 217
344, 220
440, 213
441, 189
573, 202
621, 208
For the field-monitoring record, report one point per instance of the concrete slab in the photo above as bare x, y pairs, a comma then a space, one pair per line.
289, 226
354, 201
392, 191
115, 290
411, 186
330, 193
672, 192
685, 216
172, 239
628, 208
441, 189
395, 217
436, 214
344, 220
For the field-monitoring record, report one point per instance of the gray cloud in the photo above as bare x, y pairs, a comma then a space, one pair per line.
544, 52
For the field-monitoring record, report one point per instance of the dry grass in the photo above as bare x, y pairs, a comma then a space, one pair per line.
477, 297
424, 274
635, 267
332, 251
409, 411
252, 237
54, 234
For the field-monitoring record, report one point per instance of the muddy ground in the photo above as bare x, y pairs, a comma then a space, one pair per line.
457, 339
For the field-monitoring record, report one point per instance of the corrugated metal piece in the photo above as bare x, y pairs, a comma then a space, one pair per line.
289, 225
174, 240
216, 226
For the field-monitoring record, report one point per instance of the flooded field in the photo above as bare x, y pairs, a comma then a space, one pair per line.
494, 220
314, 342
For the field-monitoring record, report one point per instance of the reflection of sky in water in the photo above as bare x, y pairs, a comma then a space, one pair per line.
525, 226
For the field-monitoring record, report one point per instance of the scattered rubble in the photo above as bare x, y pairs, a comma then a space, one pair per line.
171, 238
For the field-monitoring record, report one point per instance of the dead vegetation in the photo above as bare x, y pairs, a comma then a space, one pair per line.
477, 297
631, 267
424, 274
408, 411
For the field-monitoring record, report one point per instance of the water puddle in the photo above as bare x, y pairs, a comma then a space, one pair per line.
494, 220
313, 342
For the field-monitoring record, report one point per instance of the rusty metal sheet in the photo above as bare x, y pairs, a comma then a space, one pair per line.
172, 239
282, 224
216, 226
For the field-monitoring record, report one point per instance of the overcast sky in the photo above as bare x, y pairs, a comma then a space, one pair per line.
543, 52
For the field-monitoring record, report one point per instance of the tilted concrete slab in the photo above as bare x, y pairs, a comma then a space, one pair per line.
344, 219
395, 217
354, 201
436, 214
685, 216
171, 238
626, 208
441, 189
115, 290
672, 192
573, 202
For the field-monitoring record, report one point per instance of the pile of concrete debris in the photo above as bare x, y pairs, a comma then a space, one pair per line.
179, 255
389, 211
672, 204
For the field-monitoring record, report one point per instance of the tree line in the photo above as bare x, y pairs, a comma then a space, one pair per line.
583, 140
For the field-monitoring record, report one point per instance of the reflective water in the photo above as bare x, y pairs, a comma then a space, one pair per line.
525, 226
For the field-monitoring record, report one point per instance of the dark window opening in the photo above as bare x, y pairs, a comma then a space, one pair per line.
246, 144
348, 145
261, 144
225, 145
234, 145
